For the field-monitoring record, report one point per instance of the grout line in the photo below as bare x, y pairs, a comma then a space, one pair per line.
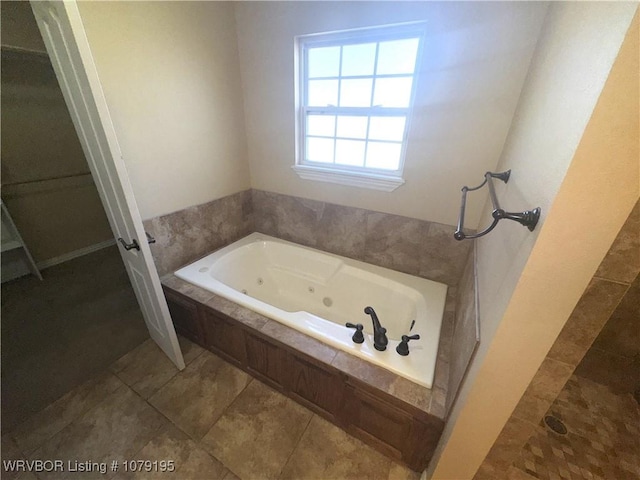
297, 443
618, 282
28, 453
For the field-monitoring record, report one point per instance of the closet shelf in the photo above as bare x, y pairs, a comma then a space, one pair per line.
19, 262
10, 245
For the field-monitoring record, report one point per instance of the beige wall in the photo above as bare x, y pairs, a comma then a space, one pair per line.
171, 79
475, 62
527, 292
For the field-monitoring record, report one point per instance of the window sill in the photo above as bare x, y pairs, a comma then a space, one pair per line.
385, 183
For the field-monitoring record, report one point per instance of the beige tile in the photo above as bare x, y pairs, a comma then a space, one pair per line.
190, 350
442, 257
10, 452
514, 473
18, 475
622, 262
188, 234
231, 476
603, 431
115, 429
543, 389
389, 382
441, 374
464, 338
594, 308
46, 423
147, 368
394, 242
512, 438
325, 451
621, 374
196, 397
446, 336
26, 476
187, 289
299, 341
342, 230
530, 407
400, 472
487, 471
411, 393
257, 433
441, 377
450, 302
438, 405
264, 212
10, 449
190, 462
621, 333
298, 219
364, 371
290, 218
237, 312
382, 379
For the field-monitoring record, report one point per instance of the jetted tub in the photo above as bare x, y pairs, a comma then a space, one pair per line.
317, 293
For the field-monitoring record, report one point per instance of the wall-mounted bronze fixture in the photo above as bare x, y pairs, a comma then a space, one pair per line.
528, 218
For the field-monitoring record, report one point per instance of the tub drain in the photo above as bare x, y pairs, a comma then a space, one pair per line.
555, 424
327, 301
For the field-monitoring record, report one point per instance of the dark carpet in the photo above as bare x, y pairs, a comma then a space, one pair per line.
58, 333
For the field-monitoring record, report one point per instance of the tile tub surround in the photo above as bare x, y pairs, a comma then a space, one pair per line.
409, 245
599, 304
429, 402
466, 332
188, 234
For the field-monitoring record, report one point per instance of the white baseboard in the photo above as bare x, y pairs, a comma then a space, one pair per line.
75, 254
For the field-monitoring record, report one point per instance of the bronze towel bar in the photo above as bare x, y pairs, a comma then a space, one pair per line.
528, 218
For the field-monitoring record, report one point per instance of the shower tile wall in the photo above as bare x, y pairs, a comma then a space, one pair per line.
614, 358
602, 441
586, 380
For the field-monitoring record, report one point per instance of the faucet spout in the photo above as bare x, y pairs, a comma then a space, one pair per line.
380, 340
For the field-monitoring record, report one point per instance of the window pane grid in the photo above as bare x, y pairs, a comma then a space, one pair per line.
355, 139
385, 156
353, 77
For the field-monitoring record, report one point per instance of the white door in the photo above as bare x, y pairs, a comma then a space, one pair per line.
64, 36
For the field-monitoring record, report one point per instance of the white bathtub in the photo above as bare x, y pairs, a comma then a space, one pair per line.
317, 293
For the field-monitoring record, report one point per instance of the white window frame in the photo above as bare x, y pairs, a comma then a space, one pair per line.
366, 177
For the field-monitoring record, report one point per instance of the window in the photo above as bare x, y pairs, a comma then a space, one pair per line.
354, 99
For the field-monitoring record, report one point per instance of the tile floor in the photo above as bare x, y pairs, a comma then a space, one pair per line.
602, 442
212, 419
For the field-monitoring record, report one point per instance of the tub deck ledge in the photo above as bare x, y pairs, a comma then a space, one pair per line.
429, 401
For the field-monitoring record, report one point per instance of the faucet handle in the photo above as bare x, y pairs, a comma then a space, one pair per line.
358, 336
403, 346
